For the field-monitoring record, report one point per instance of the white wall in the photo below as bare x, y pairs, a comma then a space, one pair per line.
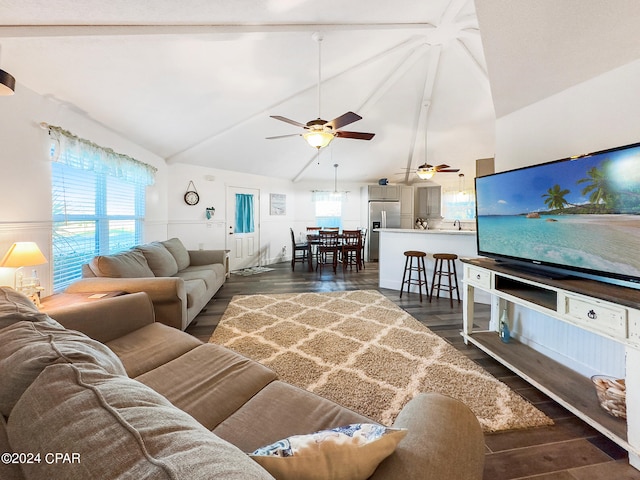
190, 224
25, 182
595, 115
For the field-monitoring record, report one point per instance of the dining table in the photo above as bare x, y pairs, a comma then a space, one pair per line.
313, 239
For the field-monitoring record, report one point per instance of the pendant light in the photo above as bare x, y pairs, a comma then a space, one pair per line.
7, 83
318, 136
425, 171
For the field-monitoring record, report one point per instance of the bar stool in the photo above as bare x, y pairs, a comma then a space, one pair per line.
419, 267
438, 272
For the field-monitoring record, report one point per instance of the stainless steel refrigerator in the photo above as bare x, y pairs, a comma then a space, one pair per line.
381, 215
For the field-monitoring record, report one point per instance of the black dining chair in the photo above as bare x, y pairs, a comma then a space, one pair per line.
363, 243
328, 249
298, 248
351, 249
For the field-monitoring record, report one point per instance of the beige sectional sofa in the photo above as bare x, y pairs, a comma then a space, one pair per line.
180, 282
133, 398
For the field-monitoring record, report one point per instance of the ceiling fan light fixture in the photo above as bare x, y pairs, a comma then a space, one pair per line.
318, 138
425, 173
7, 83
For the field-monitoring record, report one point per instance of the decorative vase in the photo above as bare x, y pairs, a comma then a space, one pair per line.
505, 334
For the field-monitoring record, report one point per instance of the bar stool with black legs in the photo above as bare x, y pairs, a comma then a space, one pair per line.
419, 267
439, 272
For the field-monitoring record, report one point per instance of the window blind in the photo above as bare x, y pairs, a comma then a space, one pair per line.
97, 210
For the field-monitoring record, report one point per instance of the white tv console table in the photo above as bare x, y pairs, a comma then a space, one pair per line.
607, 310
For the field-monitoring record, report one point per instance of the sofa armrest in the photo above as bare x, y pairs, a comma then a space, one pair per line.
168, 294
207, 257
444, 440
107, 319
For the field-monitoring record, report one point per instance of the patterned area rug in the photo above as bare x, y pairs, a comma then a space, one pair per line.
361, 350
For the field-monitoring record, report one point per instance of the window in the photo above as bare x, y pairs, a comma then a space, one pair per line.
98, 206
328, 209
459, 204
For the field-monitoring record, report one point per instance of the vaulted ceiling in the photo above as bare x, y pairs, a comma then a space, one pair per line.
195, 81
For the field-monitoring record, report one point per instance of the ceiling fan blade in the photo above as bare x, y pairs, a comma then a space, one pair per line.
355, 135
446, 170
284, 136
344, 119
288, 120
441, 166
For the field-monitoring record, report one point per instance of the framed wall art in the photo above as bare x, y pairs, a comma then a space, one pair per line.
278, 204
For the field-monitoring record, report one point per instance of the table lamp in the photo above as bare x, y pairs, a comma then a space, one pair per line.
23, 254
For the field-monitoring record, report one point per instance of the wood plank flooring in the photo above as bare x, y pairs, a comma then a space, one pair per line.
569, 450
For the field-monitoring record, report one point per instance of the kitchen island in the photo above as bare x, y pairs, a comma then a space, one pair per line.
395, 241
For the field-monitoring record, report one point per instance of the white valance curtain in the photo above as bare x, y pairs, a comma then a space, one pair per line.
83, 154
326, 196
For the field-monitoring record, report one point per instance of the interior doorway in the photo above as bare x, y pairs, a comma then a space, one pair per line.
243, 227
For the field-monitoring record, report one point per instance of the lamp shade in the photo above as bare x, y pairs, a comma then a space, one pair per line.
318, 138
7, 83
425, 173
23, 254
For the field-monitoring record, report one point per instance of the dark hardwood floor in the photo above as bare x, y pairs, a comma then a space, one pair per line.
569, 450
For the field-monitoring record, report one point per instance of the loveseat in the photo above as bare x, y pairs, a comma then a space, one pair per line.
134, 398
180, 282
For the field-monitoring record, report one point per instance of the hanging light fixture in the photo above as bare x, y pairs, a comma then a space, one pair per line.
425, 172
7, 83
319, 135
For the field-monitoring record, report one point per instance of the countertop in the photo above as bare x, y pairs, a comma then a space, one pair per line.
435, 231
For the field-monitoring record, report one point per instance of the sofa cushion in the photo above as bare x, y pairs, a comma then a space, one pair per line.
160, 260
282, 410
27, 348
126, 431
8, 471
130, 264
207, 275
196, 290
352, 452
16, 307
179, 252
151, 346
219, 382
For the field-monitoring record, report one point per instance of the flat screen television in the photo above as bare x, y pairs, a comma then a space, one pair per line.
577, 216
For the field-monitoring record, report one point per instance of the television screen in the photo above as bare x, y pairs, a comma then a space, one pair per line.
580, 214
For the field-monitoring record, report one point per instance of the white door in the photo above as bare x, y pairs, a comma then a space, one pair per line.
243, 227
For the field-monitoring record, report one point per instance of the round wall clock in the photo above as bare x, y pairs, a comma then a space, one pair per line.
191, 197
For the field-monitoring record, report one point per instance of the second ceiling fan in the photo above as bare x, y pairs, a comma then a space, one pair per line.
319, 133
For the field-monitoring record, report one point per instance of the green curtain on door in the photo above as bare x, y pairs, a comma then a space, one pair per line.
244, 213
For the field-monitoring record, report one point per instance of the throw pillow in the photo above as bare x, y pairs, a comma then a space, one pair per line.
160, 260
129, 264
179, 252
27, 348
352, 452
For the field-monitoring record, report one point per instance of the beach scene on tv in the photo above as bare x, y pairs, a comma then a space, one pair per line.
582, 213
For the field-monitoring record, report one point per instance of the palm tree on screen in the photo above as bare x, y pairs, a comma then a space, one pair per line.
597, 188
554, 198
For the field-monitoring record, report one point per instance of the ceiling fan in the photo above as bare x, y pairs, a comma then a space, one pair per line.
426, 171
319, 133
